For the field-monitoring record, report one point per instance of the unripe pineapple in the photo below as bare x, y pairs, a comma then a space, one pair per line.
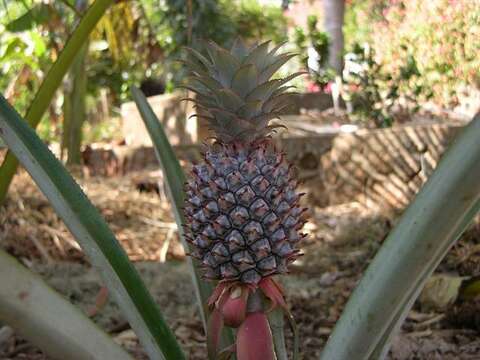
243, 217
242, 211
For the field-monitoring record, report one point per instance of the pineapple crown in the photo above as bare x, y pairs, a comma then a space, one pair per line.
235, 92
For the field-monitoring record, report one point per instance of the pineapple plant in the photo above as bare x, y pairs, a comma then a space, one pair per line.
242, 211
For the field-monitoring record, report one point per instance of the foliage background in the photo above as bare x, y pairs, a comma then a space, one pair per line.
135, 41
441, 35
140, 40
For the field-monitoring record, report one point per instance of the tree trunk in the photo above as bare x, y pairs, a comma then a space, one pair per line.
75, 101
67, 116
78, 108
334, 16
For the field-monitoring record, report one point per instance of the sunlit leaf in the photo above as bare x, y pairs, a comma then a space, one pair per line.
48, 320
39, 44
37, 15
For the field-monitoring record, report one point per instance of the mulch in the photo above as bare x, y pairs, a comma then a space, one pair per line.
342, 239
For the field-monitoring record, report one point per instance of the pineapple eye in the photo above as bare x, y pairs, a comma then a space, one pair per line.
250, 277
271, 222
212, 207
249, 170
220, 252
279, 236
207, 193
245, 195
290, 222
259, 208
243, 260
260, 184
226, 201
268, 264
261, 248
235, 180
283, 208
209, 232
283, 249
254, 231
235, 241
220, 182
201, 242
239, 216
221, 225
200, 216
228, 271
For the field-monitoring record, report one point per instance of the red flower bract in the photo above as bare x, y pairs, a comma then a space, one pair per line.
230, 306
235, 307
254, 338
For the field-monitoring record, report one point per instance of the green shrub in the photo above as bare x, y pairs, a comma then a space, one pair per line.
374, 93
442, 35
319, 41
255, 21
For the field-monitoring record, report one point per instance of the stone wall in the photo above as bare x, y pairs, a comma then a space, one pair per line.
310, 101
381, 168
384, 168
303, 152
172, 113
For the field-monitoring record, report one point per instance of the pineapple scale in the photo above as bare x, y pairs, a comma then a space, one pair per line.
243, 214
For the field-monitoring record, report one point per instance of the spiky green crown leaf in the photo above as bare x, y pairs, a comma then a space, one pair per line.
234, 90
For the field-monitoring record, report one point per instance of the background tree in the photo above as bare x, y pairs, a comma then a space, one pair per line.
74, 95
334, 19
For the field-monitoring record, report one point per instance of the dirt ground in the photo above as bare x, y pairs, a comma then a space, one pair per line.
342, 239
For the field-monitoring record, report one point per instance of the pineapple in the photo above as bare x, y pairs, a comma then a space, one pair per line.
242, 206
242, 210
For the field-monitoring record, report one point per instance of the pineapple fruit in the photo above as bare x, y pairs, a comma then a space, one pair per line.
243, 217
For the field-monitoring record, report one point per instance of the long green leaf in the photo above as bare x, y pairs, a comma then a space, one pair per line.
277, 325
92, 233
47, 320
51, 83
175, 180
429, 227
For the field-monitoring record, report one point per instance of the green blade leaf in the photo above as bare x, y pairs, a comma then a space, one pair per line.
227, 99
268, 72
208, 82
250, 109
429, 227
47, 320
51, 83
271, 88
258, 56
175, 180
272, 54
244, 80
277, 325
92, 233
239, 49
224, 62
208, 65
